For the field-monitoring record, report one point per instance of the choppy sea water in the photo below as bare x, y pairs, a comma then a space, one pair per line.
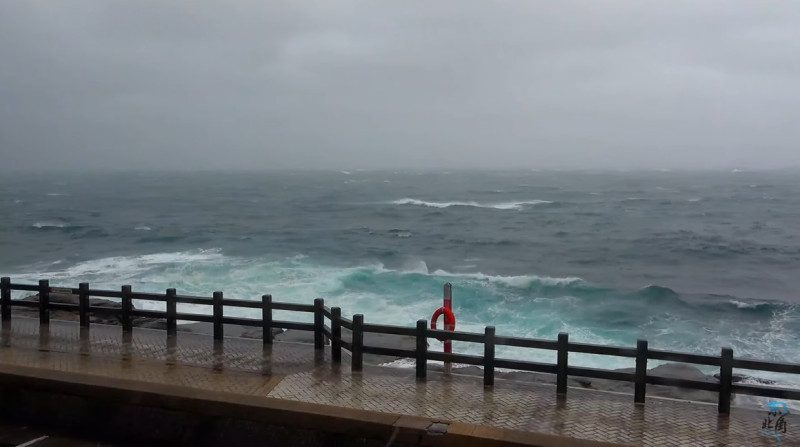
689, 261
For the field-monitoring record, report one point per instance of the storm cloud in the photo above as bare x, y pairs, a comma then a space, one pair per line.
399, 84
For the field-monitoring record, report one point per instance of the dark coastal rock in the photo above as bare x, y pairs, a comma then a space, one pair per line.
670, 370
104, 318
370, 339
259, 334
516, 376
384, 341
159, 324
736, 378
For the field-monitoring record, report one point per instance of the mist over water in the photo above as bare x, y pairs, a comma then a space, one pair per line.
689, 261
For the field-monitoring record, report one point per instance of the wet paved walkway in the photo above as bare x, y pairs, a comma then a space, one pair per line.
294, 371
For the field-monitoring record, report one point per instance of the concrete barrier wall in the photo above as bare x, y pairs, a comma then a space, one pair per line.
155, 414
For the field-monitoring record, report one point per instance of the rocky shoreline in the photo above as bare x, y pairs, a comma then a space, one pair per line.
670, 370
94, 317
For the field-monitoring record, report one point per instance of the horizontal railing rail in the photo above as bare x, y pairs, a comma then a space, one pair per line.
332, 333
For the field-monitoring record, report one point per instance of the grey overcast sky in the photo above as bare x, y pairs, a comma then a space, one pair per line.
341, 84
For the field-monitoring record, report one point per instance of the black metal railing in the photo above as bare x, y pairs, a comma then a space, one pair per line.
355, 345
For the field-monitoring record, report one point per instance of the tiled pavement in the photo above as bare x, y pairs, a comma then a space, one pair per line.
295, 371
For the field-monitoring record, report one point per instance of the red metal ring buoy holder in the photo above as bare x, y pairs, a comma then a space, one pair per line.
449, 321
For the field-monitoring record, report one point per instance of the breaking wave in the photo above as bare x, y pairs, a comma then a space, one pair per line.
536, 306
40, 225
498, 206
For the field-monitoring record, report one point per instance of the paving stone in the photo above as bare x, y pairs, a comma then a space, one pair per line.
295, 371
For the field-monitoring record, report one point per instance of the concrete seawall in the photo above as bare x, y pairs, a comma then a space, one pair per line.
163, 414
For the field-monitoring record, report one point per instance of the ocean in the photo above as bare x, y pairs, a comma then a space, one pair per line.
690, 261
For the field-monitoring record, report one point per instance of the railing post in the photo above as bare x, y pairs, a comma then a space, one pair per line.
488, 356
641, 371
561, 367
725, 380
5, 298
422, 348
172, 312
358, 343
336, 335
127, 306
44, 301
83, 304
218, 328
266, 319
447, 347
319, 323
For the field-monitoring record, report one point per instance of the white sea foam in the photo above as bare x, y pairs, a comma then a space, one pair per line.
695, 199
408, 293
56, 194
48, 224
142, 228
743, 305
498, 206
124, 267
520, 281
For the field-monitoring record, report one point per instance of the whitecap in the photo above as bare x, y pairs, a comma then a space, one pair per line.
40, 225
418, 267
19, 201
696, 199
142, 228
518, 281
56, 194
498, 206
116, 267
744, 305
346, 172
